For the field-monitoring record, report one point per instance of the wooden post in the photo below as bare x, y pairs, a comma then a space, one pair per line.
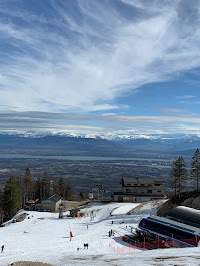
173, 240
144, 242
196, 240
134, 245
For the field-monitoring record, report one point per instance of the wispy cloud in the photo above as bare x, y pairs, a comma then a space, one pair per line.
63, 59
186, 97
102, 125
82, 55
176, 112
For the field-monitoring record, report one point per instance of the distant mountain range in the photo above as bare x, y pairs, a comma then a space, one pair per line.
126, 146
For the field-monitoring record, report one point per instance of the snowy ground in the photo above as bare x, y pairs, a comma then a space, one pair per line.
46, 238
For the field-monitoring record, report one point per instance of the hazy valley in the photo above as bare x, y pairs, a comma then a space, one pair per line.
84, 162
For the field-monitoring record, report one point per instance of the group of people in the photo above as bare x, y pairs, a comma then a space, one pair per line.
111, 233
85, 246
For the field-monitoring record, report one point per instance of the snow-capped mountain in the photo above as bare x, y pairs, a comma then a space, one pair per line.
123, 145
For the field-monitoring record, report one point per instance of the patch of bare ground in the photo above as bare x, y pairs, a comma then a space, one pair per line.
29, 263
74, 204
175, 258
154, 204
97, 257
166, 258
80, 258
111, 260
113, 210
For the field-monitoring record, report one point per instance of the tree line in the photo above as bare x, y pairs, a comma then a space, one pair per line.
18, 191
181, 179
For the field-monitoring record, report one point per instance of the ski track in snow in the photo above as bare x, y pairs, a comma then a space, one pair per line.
46, 238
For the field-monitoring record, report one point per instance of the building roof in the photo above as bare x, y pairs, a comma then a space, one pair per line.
54, 198
182, 226
118, 193
144, 195
140, 180
186, 215
30, 202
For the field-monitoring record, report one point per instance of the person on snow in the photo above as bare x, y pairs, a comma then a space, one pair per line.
2, 248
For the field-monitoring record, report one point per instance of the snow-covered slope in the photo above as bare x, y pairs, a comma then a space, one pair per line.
46, 238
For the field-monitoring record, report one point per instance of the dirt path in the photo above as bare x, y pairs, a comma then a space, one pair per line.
29, 263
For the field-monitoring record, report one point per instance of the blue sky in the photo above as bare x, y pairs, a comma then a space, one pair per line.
109, 67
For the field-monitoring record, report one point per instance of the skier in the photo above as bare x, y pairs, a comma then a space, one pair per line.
2, 248
85, 245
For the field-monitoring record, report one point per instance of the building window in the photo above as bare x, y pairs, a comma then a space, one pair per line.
128, 190
158, 190
142, 185
157, 185
149, 191
128, 184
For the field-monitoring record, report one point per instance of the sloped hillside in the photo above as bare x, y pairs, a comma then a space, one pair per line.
45, 238
188, 199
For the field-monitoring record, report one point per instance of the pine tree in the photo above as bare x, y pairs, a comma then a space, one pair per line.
1, 206
81, 196
178, 174
195, 168
11, 197
62, 188
69, 193
39, 189
26, 187
46, 185
56, 188
65, 190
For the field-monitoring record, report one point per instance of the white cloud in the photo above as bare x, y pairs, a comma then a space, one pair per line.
186, 97
176, 112
64, 63
82, 62
99, 125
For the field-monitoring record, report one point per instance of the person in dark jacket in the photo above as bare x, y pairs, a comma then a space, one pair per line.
2, 248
